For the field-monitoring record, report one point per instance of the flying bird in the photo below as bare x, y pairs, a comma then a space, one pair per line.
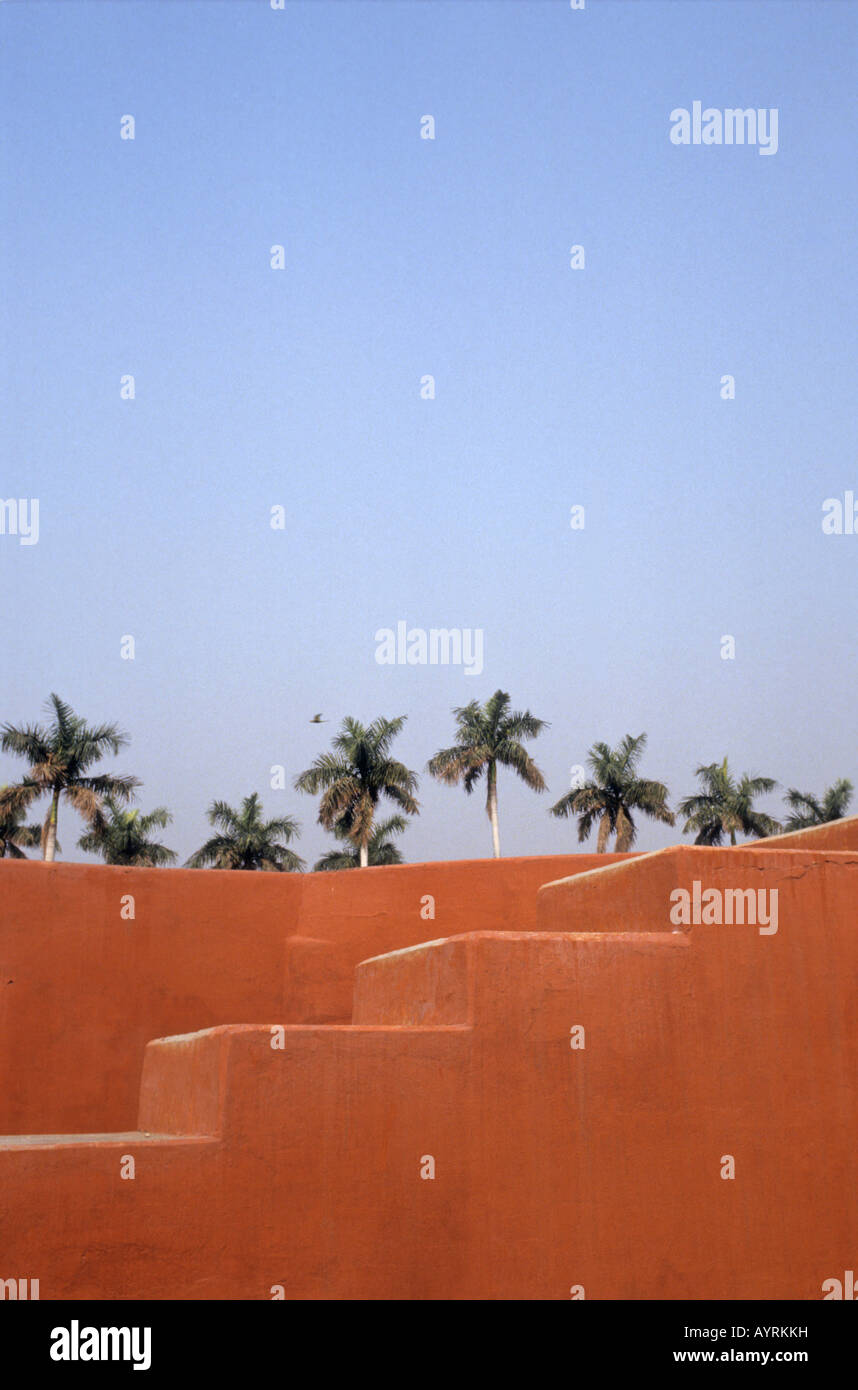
317, 719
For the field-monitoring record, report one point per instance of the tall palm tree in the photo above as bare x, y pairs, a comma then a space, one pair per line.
380, 849
60, 757
726, 807
15, 836
807, 811
489, 736
246, 841
123, 837
612, 793
354, 777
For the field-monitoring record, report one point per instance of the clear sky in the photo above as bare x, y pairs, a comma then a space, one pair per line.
300, 387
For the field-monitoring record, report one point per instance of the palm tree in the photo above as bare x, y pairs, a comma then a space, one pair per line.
612, 793
122, 837
60, 757
488, 736
725, 806
246, 841
354, 777
14, 835
807, 811
380, 849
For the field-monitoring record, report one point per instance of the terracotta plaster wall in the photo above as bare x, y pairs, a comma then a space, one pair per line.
554, 1166
83, 989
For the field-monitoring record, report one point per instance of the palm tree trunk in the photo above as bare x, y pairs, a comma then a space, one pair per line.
492, 807
604, 835
623, 834
364, 854
51, 837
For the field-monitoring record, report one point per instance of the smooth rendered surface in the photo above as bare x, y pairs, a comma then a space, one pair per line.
452, 1142
84, 989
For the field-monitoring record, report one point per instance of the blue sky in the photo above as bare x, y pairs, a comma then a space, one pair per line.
554, 387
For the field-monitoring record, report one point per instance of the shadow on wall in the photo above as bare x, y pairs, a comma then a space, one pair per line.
630, 1112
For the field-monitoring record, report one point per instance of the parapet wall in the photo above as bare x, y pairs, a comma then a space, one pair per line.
84, 986
835, 834
621, 1109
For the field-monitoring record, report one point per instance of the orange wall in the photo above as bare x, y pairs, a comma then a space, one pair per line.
555, 1167
836, 835
82, 990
